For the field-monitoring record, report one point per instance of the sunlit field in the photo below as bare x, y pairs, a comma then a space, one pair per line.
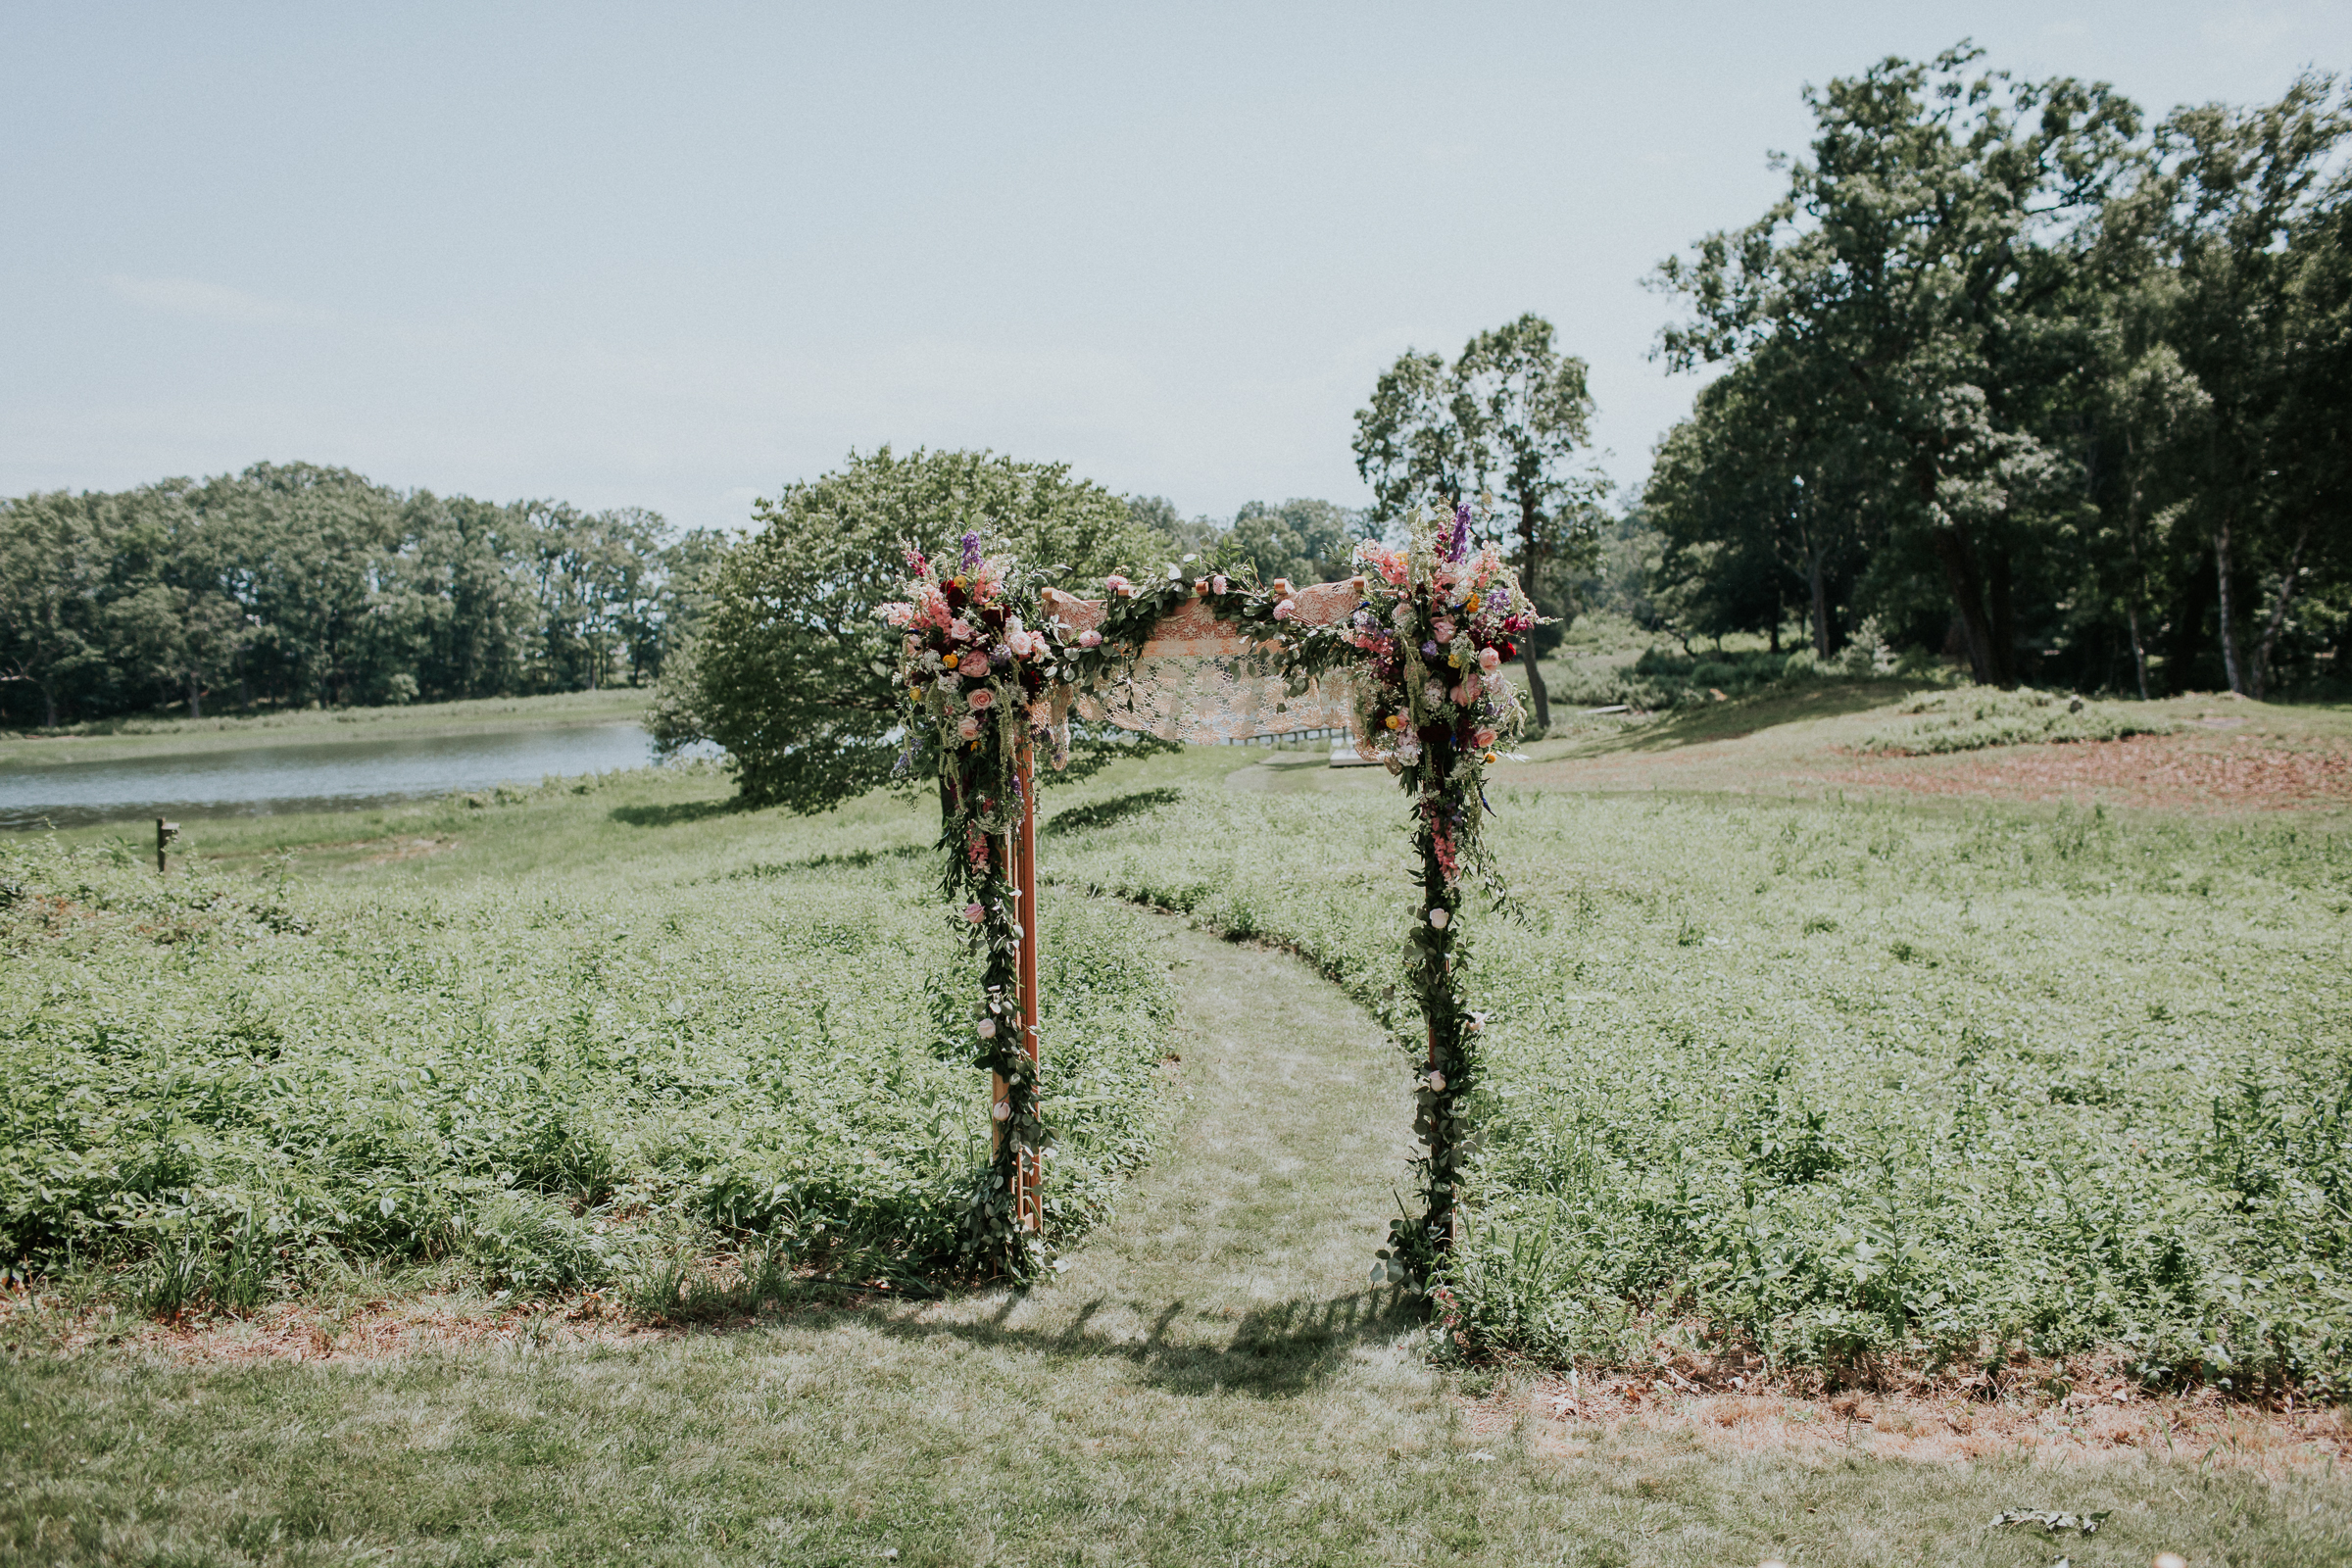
576, 1174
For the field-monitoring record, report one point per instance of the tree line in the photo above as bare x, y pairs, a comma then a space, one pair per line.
2020, 377
296, 585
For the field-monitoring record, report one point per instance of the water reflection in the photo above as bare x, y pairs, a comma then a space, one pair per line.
320, 775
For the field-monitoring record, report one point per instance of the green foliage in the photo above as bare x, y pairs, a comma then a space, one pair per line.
1660, 678
222, 1089
1300, 541
1844, 1083
792, 673
1969, 720
291, 584
2012, 371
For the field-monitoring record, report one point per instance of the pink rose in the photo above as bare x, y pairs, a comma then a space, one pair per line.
973, 666
1484, 739
1216, 584
974, 914
960, 631
1488, 660
1090, 638
981, 700
1287, 608
969, 727
1116, 583
1442, 629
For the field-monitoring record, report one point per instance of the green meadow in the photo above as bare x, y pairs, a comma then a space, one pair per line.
655, 1111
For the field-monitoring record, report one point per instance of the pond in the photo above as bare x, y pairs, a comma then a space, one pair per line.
321, 775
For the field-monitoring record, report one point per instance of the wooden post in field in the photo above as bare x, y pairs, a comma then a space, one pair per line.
165, 833
1020, 854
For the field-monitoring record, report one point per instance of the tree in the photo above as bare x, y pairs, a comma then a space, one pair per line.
54, 551
791, 672
2236, 189
1503, 419
1160, 514
1306, 540
1917, 266
314, 546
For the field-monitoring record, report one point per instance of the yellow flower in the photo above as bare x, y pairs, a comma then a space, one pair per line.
1395, 721
1471, 604
952, 659
1455, 659
1489, 757
915, 693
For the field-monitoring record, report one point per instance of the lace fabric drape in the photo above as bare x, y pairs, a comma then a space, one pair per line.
1202, 681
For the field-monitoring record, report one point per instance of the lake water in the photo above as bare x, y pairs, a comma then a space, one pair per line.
307, 777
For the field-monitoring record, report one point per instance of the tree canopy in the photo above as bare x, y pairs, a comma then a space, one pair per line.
2026, 378
292, 583
1504, 419
792, 671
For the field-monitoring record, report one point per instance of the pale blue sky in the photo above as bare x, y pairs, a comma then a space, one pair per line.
675, 255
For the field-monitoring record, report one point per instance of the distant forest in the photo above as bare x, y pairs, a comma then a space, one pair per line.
294, 585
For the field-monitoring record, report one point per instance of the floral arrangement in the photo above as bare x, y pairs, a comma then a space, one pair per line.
1437, 624
978, 674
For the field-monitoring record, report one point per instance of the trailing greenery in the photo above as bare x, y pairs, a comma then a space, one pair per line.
1851, 1085
218, 1089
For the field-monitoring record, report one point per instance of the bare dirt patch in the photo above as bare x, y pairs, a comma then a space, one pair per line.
2097, 1421
2189, 772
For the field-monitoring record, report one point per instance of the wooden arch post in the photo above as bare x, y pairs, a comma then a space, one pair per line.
1020, 865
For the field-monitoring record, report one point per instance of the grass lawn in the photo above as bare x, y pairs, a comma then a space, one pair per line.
1766, 1074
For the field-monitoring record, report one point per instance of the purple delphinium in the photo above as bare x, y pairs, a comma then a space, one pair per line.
1458, 548
971, 552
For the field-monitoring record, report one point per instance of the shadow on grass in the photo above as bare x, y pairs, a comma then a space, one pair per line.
1273, 1351
1101, 814
678, 812
853, 859
1747, 716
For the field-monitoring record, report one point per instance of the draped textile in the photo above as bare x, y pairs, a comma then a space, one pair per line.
1206, 681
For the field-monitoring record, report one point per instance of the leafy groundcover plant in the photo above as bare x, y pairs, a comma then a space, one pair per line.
216, 1090
1856, 1089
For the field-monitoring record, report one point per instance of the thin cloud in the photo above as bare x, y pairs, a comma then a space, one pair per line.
215, 302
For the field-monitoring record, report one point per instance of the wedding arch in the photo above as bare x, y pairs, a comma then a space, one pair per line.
1406, 655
